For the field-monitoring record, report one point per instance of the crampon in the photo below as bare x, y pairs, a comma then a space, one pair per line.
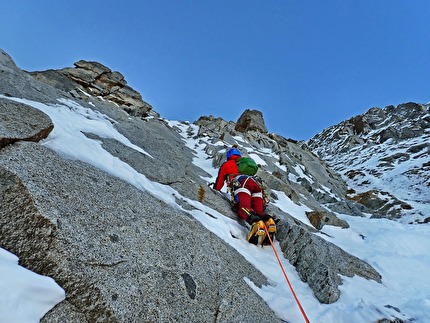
258, 235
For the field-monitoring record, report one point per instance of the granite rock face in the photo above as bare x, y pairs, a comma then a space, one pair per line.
89, 230
122, 254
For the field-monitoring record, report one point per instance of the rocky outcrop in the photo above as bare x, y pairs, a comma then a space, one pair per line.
384, 204
251, 120
320, 218
22, 122
95, 79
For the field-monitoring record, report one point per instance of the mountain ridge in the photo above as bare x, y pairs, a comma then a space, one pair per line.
384, 149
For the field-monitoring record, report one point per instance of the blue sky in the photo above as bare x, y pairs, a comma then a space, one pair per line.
305, 64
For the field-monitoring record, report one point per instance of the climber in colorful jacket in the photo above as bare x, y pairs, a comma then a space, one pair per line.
247, 192
249, 197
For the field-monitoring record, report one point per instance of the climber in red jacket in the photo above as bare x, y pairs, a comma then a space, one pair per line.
247, 193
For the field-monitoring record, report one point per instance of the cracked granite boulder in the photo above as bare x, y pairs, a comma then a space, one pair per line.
121, 254
22, 122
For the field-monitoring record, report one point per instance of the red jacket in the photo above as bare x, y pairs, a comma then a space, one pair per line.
227, 171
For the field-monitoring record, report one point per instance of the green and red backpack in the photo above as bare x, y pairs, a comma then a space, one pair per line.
247, 166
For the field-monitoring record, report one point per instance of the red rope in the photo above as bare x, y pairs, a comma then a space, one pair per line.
286, 277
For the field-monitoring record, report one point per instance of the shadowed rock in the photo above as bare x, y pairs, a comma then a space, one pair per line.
22, 122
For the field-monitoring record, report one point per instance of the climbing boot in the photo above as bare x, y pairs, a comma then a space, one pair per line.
257, 233
271, 228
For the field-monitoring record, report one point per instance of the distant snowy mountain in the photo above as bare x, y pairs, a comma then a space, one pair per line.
384, 155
